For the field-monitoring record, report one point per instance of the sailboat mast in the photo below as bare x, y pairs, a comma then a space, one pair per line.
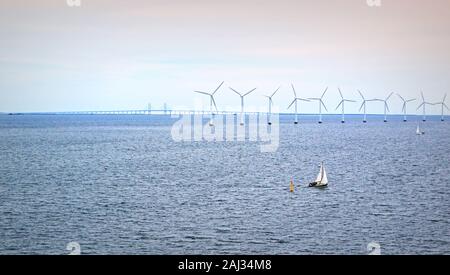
321, 172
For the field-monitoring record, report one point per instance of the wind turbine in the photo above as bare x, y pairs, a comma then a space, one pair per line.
242, 102
296, 99
270, 105
320, 104
363, 105
442, 103
405, 102
212, 102
343, 103
424, 103
386, 106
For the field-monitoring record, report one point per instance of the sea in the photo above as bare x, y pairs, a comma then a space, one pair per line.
121, 184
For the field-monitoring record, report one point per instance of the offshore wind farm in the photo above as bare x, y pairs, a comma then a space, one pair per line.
214, 109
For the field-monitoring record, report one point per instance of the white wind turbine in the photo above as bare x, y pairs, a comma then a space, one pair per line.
320, 104
343, 103
424, 103
242, 102
386, 106
363, 105
442, 103
270, 105
405, 102
212, 102
296, 99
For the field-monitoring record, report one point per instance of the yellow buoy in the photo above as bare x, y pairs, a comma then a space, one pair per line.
291, 187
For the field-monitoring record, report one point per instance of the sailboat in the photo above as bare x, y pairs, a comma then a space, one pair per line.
419, 132
321, 180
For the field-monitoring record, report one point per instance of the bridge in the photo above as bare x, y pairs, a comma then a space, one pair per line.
136, 112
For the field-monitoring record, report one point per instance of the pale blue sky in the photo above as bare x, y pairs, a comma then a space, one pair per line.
111, 54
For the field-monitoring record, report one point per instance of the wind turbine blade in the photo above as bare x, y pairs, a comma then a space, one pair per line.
401, 97
423, 98
235, 91
323, 104
275, 92
304, 99
340, 103
362, 105
389, 96
410, 100
420, 105
324, 93
201, 93
445, 96
293, 89
251, 91
214, 102
349, 100
361, 95
341, 93
313, 98
445, 105
292, 103
387, 107
218, 87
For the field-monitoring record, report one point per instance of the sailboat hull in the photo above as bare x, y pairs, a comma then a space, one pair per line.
318, 184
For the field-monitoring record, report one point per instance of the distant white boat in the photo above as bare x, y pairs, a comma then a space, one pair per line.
419, 132
321, 180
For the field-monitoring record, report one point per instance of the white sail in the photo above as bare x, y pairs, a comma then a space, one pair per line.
319, 176
324, 180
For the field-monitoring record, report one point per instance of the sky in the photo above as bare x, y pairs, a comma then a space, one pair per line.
124, 54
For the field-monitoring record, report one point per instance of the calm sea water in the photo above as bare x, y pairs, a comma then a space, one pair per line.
120, 185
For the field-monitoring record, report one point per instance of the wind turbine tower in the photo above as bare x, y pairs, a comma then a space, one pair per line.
405, 102
242, 102
296, 99
212, 102
423, 105
320, 100
363, 106
270, 105
343, 103
386, 106
442, 103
